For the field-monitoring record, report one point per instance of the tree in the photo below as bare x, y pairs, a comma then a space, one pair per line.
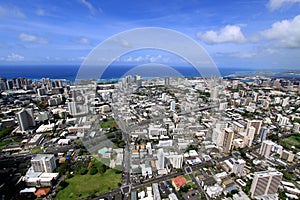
83, 171
93, 170
191, 147
63, 184
102, 169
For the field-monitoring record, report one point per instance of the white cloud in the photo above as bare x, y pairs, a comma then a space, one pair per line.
24, 37
40, 12
12, 58
277, 4
230, 33
147, 59
286, 32
82, 40
11, 12
89, 6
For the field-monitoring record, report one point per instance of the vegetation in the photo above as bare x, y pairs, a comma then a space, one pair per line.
191, 147
287, 176
293, 140
63, 167
82, 186
7, 141
6, 131
37, 150
109, 124
202, 93
93, 171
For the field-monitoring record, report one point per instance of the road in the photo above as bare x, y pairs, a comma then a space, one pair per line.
162, 178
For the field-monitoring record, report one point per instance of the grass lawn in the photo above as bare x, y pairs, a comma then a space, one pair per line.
82, 186
37, 150
109, 124
187, 177
293, 140
8, 141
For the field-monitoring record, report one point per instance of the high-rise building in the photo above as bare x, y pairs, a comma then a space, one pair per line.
223, 106
218, 133
9, 85
296, 127
72, 108
263, 133
283, 121
265, 183
176, 160
217, 137
43, 163
256, 124
236, 165
172, 106
287, 155
221, 125
161, 158
266, 148
167, 81
3, 85
250, 134
26, 119
227, 141
285, 101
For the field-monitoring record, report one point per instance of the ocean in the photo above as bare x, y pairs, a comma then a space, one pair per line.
69, 72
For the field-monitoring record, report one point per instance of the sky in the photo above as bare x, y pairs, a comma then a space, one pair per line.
260, 34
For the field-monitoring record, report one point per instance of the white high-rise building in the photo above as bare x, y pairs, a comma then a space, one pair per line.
26, 119
236, 165
266, 147
176, 160
223, 106
221, 125
43, 163
250, 134
218, 133
283, 121
72, 108
277, 100
77, 109
172, 106
296, 127
217, 137
265, 183
285, 101
160, 158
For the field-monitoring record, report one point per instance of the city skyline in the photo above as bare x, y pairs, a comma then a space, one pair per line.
240, 34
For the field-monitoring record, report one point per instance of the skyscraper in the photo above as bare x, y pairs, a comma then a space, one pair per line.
227, 141
176, 160
167, 81
43, 163
172, 106
266, 148
263, 133
218, 133
256, 124
250, 134
26, 119
265, 182
161, 158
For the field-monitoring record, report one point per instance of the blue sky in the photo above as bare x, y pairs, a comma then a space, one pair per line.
258, 34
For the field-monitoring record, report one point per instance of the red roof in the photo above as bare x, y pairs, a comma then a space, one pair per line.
179, 181
41, 192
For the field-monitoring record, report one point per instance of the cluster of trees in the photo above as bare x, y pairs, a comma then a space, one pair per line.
191, 147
